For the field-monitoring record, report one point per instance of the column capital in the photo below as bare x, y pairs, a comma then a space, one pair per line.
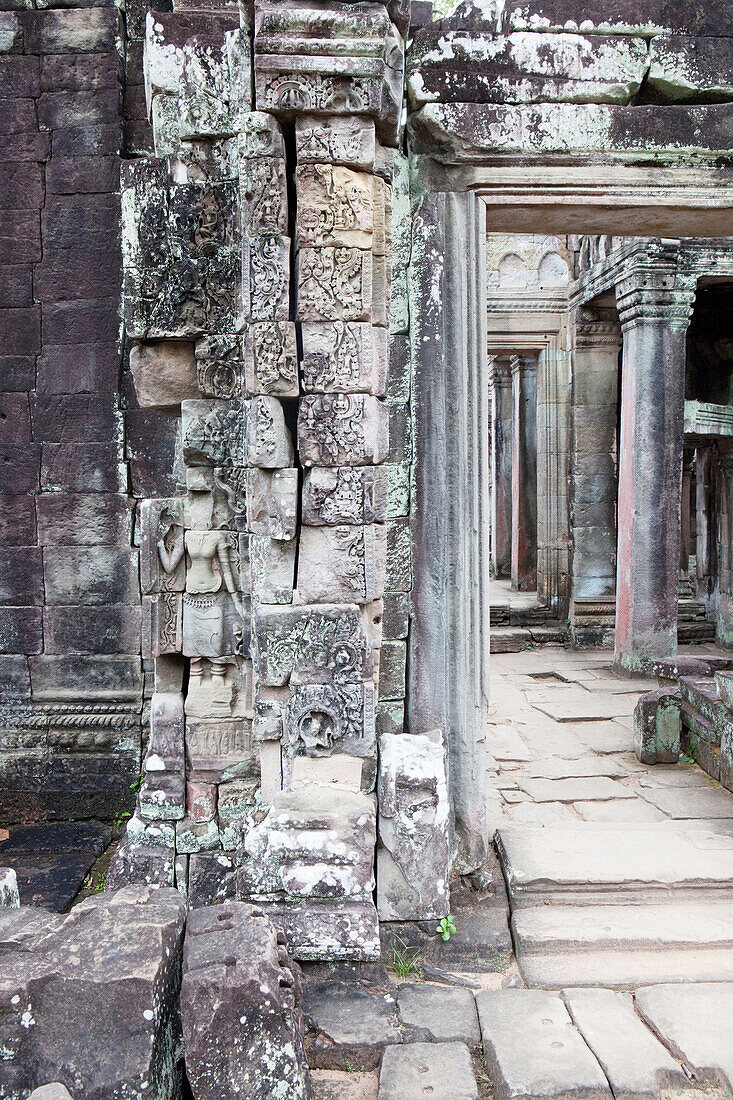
522, 363
595, 328
652, 293
500, 371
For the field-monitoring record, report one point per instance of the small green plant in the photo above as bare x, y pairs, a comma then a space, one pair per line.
95, 882
120, 819
446, 928
690, 757
137, 783
405, 960
350, 1067
527, 645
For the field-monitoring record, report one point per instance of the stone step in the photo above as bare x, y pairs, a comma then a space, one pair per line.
621, 946
511, 639
528, 616
702, 694
688, 609
613, 865
697, 631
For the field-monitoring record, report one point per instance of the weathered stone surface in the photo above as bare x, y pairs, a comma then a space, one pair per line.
214, 432
124, 950
219, 367
218, 749
413, 853
334, 207
164, 373
335, 140
344, 563
648, 17
434, 1013
685, 67
9, 895
271, 358
633, 1060
657, 727
263, 189
162, 565
342, 430
266, 282
211, 878
268, 440
272, 503
328, 929
444, 1068
140, 865
51, 1092
240, 1001
345, 494
272, 565
314, 843
347, 1025
695, 1022
479, 67
321, 719
334, 284
532, 1049
319, 644
344, 357
163, 793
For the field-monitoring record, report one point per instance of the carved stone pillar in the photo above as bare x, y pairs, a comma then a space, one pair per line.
524, 473
724, 624
596, 346
702, 518
501, 465
655, 313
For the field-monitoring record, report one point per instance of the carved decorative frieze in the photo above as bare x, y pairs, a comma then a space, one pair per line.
220, 367
218, 749
345, 494
268, 440
266, 281
213, 432
311, 645
344, 357
264, 196
337, 140
162, 624
334, 284
271, 359
334, 207
342, 430
344, 563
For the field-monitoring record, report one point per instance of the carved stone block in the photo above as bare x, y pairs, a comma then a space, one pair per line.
203, 92
272, 503
163, 793
229, 499
334, 284
413, 856
238, 811
162, 624
264, 196
220, 367
218, 749
215, 626
271, 359
212, 560
314, 843
266, 279
162, 565
261, 136
347, 141
268, 440
201, 801
272, 565
268, 720
322, 719
196, 836
327, 929
166, 122
347, 358
334, 207
213, 432
164, 372
345, 494
342, 564
220, 688
311, 645
207, 160
342, 430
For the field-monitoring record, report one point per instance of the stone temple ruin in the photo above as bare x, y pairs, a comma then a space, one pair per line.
342, 344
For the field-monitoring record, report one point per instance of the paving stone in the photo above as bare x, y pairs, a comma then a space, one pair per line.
542, 813
544, 737
696, 1022
531, 1048
618, 810
51, 861
606, 736
584, 789
632, 1058
442, 1071
570, 706
347, 1025
685, 802
678, 775
334, 1084
431, 1013
557, 768
504, 743
584, 862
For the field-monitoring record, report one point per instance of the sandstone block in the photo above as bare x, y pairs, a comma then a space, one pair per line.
161, 627
219, 367
272, 503
335, 140
348, 1025
214, 432
164, 373
335, 207
311, 644
342, 564
266, 284
9, 895
162, 795
342, 430
218, 749
322, 719
272, 565
238, 980
346, 358
345, 494
271, 359
264, 192
334, 284
261, 136
268, 440
331, 929
201, 801
446, 1066
657, 727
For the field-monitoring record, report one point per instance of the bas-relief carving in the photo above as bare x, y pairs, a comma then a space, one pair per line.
266, 286
220, 687
264, 194
220, 366
334, 284
311, 645
268, 440
213, 432
345, 494
343, 563
162, 567
344, 357
342, 430
162, 624
334, 207
260, 136
215, 613
338, 140
272, 502
271, 358
321, 719
218, 749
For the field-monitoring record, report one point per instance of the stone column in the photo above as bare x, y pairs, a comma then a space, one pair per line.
524, 473
702, 518
655, 313
596, 346
553, 517
724, 618
501, 465
685, 588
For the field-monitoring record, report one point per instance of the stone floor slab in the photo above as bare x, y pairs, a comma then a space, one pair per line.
441, 1071
532, 1049
540, 813
347, 1026
333, 1084
504, 743
607, 736
590, 863
433, 1013
696, 1022
585, 789
571, 705
686, 802
584, 766
632, 1058
619, 810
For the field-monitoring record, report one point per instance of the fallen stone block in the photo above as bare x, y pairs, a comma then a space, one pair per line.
328, 930
442, 1069
658, 726
348, 1025
89, 999
695, 1022
240, 1008
438, 1014
140, 863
